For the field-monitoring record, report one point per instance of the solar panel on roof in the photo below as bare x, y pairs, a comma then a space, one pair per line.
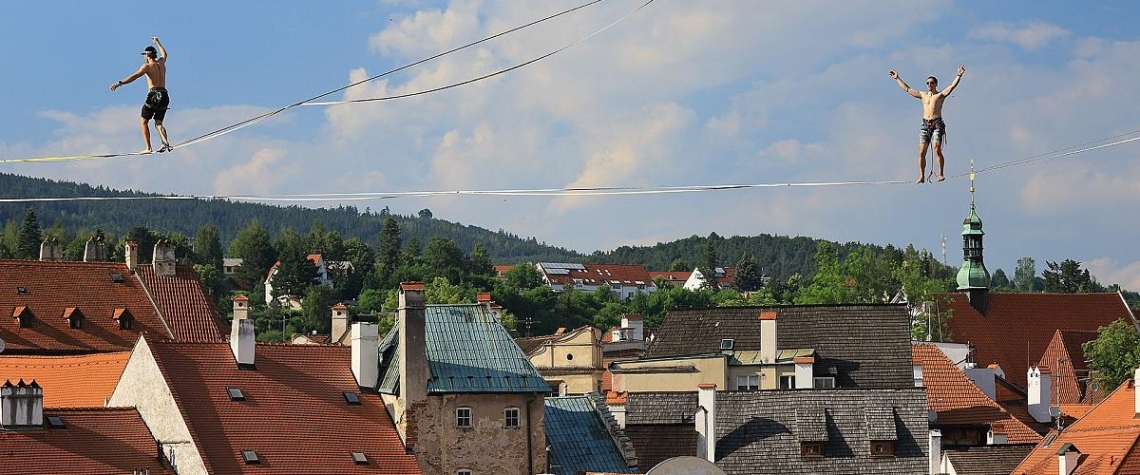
561, 265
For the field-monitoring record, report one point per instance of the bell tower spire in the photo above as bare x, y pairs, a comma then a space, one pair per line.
973, 278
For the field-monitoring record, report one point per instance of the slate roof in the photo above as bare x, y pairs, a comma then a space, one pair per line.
52, 287
1066, 361
957, 401
759, 432
95, 441
68, 381
988, 459
862, 346
1108, 437
184, 305
468, 351
578, 438
294, 414
1019, 326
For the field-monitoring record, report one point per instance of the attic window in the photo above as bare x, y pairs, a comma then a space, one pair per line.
235, 394
23, 316
727, 343
56, 422
250, 457
883, 448
811, 449
124, 317
358, 458
73, 316
21, 291
117, 278
351, 398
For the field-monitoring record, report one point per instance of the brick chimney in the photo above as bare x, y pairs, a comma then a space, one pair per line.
51, 250
1039, 390
241, 307
365, 354
242, 341
705, 421
95, 250
21, 404
165, 260
768, 337
131, 251
339, 323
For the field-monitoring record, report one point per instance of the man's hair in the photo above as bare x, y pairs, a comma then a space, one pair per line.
934, 78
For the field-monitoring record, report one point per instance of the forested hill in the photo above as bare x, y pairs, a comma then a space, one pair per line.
778, 256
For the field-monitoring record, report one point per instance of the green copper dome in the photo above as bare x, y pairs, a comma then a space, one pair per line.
973, 274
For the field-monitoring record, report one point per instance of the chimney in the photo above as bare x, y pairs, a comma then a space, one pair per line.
131, 251
366, 354
935, 451
1039, 389
50, 250
768, 337
483, 297
1136, 396
1067, 458
804, 373
339, 323
413, 346
635, 325
984, 378
241, 307
242, 341
165, 262
95, 250
21, 404
705, 421
996, 435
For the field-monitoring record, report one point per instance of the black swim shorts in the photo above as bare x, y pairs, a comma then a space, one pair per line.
157, 100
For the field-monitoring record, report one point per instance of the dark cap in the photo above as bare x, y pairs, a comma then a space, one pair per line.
149, 51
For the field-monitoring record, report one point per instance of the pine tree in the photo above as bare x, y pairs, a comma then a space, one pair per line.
208, 247
28, 246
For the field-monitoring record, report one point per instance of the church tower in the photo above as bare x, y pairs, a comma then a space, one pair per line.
973, 278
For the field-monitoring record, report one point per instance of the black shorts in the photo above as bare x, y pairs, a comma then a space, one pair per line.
157, 100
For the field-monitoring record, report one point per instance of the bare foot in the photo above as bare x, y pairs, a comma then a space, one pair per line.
921, 179
941, 178
145, 151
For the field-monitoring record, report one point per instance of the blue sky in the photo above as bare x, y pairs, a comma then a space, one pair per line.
680, 93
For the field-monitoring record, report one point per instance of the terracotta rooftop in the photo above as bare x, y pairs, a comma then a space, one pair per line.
1108, 438
1017, 327
184, 304
1065, 357
958, 401
68, 381
294, 414
601, 274
93, 290
91, 442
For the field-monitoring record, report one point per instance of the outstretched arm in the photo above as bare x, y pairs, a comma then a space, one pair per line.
895, 75
950, 88
161, 49
129, 79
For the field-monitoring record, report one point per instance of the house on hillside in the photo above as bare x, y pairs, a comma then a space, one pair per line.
725, 278
463, 396
676, 279
322, 278
624, 281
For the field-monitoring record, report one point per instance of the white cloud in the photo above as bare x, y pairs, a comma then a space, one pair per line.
264, 171
1031, 36
1108, 272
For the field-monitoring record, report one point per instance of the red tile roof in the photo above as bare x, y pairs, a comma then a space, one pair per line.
957, 400
501, 269
111, 441
184, 304
68, 381
674, 277
1066, 359
50, 288
294, 414
1108, 437
599, 274
1017, 327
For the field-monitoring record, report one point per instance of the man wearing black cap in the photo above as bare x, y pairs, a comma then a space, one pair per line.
157, 99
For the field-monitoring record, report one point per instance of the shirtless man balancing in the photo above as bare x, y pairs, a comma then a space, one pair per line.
157, 99
933, 128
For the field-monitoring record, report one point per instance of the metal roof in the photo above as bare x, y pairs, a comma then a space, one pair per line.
579, 441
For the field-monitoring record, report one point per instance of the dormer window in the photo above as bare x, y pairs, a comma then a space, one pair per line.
73, 316
123, 317
23, 316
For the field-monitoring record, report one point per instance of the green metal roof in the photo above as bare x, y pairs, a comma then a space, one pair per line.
578, 440
468, 351
973, 275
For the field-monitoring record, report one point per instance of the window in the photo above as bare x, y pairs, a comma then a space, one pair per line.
788, 382
463, 417
358, 458
250, 457
882, 448
748, 383
569, 357
351, 398
811, 449
827, 382
235, 394
463, 471
511, 417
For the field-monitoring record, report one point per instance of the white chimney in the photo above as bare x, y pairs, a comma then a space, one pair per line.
241, 307
705, 421
1039, 390
242, 341
50, 250
339, 323
1136, 398
1067, 458
995, 436
365, 354
917, 369
635, 325
95, 250
131, 251
804, 374
21, 404
935, 451
768, 337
